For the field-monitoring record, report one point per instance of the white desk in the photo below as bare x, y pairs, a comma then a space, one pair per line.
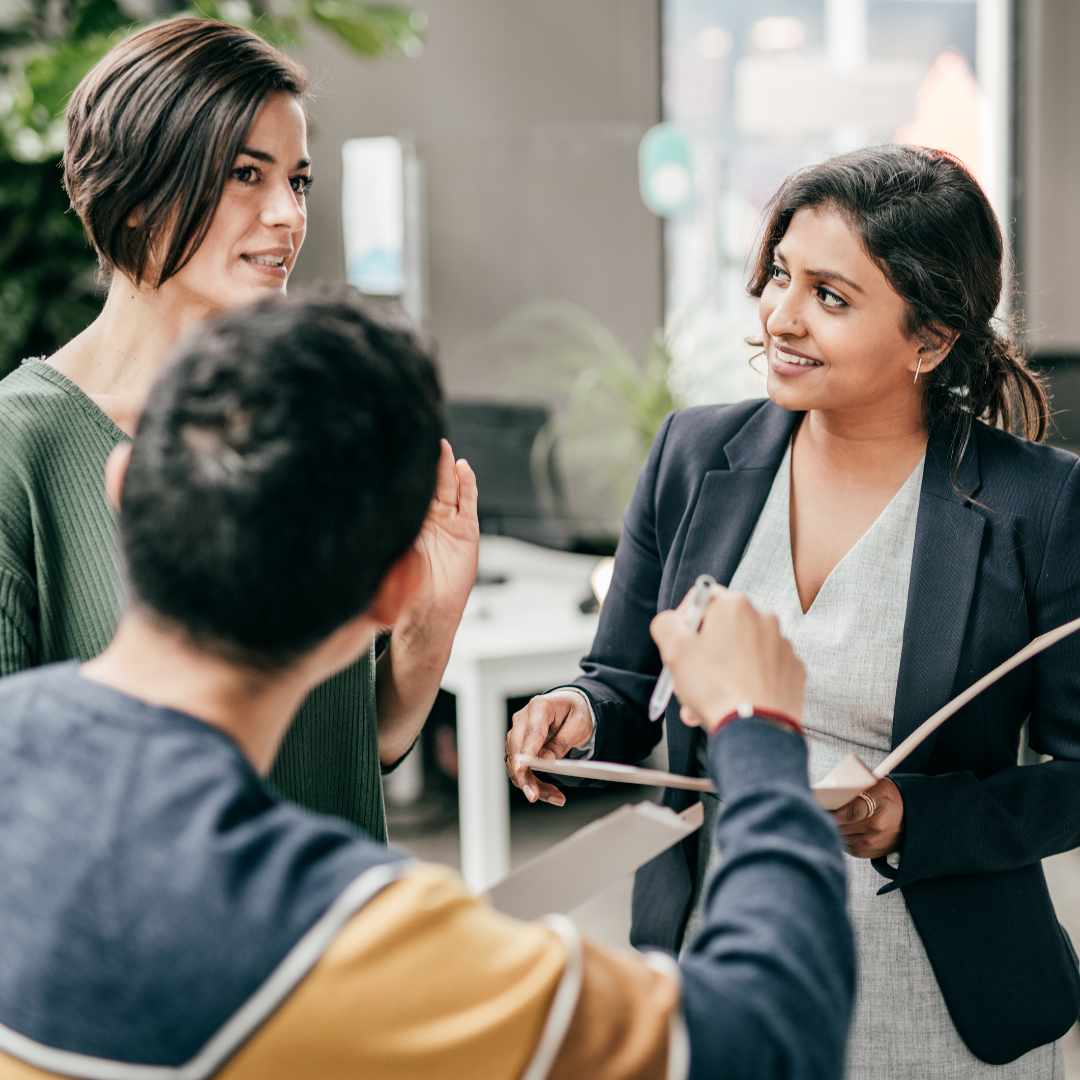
521, 637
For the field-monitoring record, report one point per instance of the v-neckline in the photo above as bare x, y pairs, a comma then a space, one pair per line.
93, 411
793, 583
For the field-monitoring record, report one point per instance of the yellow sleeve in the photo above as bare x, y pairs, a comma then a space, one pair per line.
425, 981
622, 1026
428, 983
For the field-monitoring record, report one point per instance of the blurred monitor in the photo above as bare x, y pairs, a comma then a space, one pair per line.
519, 489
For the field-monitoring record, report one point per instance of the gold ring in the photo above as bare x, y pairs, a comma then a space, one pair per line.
871, 806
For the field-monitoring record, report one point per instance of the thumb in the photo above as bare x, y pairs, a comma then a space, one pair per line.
669, 630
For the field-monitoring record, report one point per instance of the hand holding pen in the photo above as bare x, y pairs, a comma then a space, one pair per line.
695, 613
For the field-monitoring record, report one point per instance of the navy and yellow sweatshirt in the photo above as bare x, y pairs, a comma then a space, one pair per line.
163, 915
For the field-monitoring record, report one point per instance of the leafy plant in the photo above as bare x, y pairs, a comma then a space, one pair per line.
48, 283
607, 408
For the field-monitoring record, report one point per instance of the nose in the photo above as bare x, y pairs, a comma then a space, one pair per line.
283, 207
785, 319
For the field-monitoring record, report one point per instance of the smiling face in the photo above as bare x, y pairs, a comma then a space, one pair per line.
260, 222
833, 325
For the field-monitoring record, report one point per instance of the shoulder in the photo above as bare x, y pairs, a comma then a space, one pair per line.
696, 439
135, 810
26, 396
52, 437
714, 422
38, 403
1024, 478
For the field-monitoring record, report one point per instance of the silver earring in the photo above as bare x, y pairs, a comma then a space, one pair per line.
918, 369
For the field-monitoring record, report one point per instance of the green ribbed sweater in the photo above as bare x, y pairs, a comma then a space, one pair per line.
61, 588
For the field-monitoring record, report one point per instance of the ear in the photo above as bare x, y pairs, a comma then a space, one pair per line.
115, 470
932, 351
400, 585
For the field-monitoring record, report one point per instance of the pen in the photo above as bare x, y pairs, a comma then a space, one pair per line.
665, 685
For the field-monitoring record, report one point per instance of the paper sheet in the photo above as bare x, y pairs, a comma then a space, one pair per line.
603, 852
837, 789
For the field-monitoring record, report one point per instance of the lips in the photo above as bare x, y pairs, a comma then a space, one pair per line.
265, 260
785, 356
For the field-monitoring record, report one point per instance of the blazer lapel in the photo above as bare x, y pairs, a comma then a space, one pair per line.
728, 505
731, 500
944, 568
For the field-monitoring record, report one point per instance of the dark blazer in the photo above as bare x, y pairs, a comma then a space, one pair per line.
988, 574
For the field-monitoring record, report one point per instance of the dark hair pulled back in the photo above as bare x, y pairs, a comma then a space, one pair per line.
926, 222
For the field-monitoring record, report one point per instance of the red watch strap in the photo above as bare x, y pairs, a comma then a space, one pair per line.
783, 719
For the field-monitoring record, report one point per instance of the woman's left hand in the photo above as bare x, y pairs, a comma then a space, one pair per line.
872, 836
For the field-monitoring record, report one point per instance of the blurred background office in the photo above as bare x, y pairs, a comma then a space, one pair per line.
564, 194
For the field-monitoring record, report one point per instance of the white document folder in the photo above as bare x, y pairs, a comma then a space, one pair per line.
585, 863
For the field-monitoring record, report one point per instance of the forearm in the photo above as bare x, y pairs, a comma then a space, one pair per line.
770, 979
18, 633
956, 824
407, 680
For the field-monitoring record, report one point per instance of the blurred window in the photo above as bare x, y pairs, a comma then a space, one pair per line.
759, 87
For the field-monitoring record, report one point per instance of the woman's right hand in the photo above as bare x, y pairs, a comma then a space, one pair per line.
548, 727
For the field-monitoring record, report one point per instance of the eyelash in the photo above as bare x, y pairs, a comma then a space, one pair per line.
300, 183
776, 270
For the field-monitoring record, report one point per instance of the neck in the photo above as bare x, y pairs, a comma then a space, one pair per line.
865, 440
154, 663
116, 359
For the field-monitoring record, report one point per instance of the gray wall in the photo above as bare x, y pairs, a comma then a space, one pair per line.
526, 115
1049, 149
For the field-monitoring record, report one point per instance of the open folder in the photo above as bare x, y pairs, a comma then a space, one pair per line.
849, 778
585, 863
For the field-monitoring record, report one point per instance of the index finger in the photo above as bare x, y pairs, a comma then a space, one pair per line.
528, 738
446, 479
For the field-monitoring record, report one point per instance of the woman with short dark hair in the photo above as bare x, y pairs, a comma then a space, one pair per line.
908, 544
186, 160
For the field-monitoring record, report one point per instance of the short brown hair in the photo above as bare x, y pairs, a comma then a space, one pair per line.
155, 127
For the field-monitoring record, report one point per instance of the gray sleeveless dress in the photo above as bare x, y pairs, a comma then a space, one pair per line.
850, 641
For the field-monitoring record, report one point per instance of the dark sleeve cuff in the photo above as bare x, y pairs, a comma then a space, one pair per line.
387, 769
939, 811
746, 754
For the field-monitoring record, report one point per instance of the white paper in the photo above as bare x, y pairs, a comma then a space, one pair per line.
837, 789
582, 865
844, 783
611, 770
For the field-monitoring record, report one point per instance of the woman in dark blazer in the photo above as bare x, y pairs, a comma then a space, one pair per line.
994, 549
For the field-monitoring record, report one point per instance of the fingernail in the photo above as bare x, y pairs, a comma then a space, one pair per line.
530, 792
554, 800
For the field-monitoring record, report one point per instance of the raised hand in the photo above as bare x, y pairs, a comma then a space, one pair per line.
410, 670
449, 541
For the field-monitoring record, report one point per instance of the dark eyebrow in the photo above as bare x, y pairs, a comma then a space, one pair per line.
259, 155
828, 275
262, 155
832, 275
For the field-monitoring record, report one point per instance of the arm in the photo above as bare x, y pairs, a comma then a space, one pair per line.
410, 669
427, 980
769, 982
622, 666
958, 824
18, 590
18, 631
770, 979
